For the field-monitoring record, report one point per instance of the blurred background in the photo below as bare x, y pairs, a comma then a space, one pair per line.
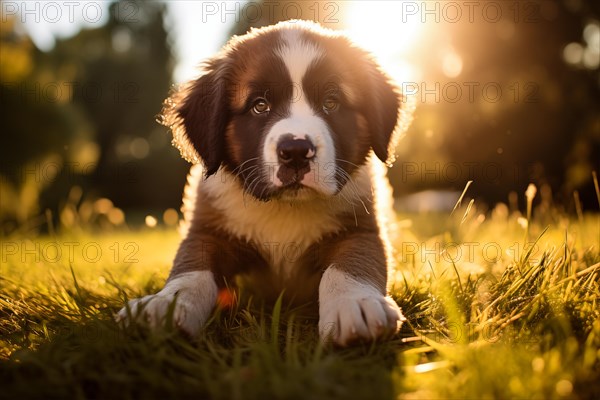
506, 93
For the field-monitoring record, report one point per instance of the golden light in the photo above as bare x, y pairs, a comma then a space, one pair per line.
389, 30
452, 64
431, 366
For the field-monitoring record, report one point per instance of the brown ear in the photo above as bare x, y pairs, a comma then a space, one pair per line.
382, 108
198, 115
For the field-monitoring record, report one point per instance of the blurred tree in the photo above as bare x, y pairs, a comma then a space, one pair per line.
84, 114
35, 124
122, 72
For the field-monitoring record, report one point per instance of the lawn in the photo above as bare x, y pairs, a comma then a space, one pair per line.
499, 305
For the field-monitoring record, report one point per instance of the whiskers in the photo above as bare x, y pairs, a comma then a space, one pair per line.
251, 176
255, 182
349, 183
350, 192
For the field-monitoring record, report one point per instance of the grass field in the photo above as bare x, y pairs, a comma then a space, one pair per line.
499, 305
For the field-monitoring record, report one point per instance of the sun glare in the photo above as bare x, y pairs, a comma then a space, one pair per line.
385, 29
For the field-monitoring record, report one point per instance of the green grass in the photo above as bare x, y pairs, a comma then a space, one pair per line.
489, 316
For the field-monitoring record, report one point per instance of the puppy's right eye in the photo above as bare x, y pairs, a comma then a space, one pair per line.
261, 106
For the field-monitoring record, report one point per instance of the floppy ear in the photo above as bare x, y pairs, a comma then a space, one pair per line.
381, 111
197, 115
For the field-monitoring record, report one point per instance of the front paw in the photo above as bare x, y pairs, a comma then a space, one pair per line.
350, 310
357, 317
155, 312
185, 302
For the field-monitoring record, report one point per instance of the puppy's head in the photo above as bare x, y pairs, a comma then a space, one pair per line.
291, 110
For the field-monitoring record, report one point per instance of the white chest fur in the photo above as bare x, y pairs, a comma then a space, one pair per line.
281, 230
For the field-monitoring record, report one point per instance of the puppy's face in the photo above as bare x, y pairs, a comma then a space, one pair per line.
290, 110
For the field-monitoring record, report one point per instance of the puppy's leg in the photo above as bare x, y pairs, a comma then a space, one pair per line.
353, 304
203, 264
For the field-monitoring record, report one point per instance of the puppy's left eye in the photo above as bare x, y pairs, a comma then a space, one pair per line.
330, 104
261, 106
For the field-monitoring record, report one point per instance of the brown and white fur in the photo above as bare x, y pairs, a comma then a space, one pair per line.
288, 127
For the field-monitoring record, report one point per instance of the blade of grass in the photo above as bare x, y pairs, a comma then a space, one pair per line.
461, 197
466, 214
596, 186
275, 320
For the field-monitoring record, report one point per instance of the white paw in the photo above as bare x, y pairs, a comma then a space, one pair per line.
351, 311
153, 310
191, 296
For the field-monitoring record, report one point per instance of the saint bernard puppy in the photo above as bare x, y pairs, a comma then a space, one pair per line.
288, 127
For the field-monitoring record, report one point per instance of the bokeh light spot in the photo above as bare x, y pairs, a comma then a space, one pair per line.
591, 34
171, 217
116, 216
121, 41
139, 148
150, 221
103, 206
573, 53
564, 387
452, 65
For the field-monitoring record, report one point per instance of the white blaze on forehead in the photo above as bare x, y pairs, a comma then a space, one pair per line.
298, 54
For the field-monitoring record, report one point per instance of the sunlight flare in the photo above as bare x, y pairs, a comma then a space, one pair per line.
386, 29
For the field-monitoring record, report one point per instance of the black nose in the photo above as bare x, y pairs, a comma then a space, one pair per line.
295, 153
